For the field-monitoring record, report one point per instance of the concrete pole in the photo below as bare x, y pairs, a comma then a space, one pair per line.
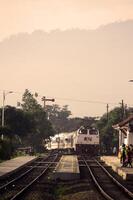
3, 111
107, 113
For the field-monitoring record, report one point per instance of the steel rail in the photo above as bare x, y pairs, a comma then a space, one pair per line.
97, 184
22, 175
127, 192
117, 182
32, 182
17, 178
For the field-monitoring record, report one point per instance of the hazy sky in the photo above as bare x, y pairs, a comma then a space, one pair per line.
28, 15
22, 69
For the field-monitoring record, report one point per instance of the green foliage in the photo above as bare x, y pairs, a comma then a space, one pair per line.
89, 121
8, 146
27, 126
30, 125
55, 111
61, 121
109, 136
64, 113
17, 122
30, 104
42, 127
59, 191
58, 116
6, 131
5, 149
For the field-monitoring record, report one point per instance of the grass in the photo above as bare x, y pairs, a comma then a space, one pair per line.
59, 191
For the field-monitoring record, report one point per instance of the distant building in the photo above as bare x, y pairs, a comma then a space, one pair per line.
25, 150
125, 129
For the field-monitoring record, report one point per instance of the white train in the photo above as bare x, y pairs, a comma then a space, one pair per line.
84, 140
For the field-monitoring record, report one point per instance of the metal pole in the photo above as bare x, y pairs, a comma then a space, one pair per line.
44, 104
3, 110
123, 109
107, 113
44, 99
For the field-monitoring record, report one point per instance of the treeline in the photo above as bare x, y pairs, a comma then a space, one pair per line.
27, 126
30, 125
109, 137
62, 121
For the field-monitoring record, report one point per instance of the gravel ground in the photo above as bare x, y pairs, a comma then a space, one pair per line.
86, 195
80, 190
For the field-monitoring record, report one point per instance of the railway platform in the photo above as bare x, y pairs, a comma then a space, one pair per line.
67, 168
9, 166
125, 172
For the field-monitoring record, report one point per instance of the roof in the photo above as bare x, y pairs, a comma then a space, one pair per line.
24, 148
124, 122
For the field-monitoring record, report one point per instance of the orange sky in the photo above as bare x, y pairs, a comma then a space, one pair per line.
28, 15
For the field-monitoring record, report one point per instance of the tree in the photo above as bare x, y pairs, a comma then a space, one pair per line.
42, 127
59, 117
109, 136
18, 122
89, 121
30, 104
61, 121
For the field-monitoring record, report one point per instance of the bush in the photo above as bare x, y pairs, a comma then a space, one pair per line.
5, 149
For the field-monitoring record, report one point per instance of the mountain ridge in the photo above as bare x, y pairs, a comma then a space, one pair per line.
74, 63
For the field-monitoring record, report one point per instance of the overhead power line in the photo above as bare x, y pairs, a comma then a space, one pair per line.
72, 99
86, 101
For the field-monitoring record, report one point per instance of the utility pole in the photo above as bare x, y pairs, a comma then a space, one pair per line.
3, 110
44, 99
107, 113
122, 109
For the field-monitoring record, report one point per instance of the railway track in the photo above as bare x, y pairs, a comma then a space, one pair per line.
16, 187
33, 182
7, 178
109, 187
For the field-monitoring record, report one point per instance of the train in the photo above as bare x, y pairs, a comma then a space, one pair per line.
82, 141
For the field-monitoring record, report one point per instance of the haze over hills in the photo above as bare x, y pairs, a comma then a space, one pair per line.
88, 65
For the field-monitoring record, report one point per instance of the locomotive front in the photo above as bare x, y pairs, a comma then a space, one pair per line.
87, 141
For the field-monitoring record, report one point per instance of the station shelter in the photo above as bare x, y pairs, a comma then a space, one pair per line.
125, 129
